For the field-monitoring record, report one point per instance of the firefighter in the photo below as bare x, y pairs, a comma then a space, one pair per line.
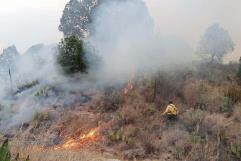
171, 111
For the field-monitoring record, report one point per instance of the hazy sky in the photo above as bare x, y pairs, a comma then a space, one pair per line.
189, 18
27, 22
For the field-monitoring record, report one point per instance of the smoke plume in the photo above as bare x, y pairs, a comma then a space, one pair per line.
124, 36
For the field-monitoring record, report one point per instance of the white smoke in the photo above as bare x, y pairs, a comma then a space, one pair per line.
19, 104
125, 38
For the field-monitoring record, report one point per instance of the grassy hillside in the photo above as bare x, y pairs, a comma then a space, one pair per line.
130, 126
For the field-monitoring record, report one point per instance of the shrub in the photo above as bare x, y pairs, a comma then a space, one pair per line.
236, 150
195, 137
192, 119
149, 142
5, 154
226, 104
203, 93
27, 85
112, 100
213, 125
129, 115
115, 135
239, 69
237, 112
151, 109
39, 118
233, 92
190, 94
44, 92
183, 147
72, 56
173, 137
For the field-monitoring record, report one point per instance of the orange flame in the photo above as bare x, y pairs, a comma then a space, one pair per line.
72, 143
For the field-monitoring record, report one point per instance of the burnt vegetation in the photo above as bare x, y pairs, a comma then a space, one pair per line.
131, 125
127, 120
208, 124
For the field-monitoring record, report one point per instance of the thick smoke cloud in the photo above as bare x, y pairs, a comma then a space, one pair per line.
18, 106
125, 37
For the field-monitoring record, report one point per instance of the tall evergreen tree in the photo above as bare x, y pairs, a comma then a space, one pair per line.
76, 17
72, 56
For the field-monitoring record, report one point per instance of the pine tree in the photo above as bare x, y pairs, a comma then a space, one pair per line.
77, 17
72, 56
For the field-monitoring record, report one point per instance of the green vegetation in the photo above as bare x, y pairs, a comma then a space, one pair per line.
72, 55
5, 154
27, 85
239, 69
236, 150
44, 92
76, 18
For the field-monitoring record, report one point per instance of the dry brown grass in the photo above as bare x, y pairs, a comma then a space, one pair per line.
52, 155
131, 124
233, 92
213, 124
237, 112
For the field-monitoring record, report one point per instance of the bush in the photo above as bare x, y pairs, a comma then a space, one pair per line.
190, 93
27, 85
129, 115
72, 56
112, 99
39, 118
150, 142
236, 150
192, 119
213, 125
45, 92
226, 104
115, 135
237, 112
5, 154
239, 69
174, 137
151, 109
233, 92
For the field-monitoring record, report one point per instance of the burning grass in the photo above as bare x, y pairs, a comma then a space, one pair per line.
129, 123
77, 143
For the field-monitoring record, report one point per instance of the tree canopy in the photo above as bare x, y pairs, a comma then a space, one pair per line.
215, 43
72, 56
76, 17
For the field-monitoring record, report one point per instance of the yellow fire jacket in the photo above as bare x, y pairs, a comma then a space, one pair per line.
171, 110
